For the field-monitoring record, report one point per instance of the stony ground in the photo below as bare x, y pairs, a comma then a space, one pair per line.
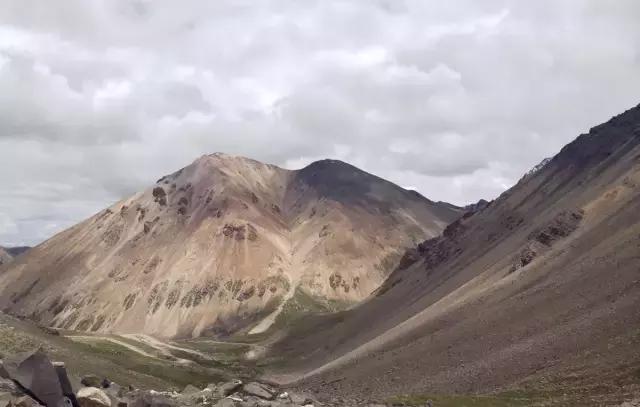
133, 370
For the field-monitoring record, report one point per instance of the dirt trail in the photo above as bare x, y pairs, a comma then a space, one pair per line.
161, 347
93, 338
164, 347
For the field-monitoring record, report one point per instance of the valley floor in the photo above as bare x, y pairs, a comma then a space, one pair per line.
150, 363
141, 361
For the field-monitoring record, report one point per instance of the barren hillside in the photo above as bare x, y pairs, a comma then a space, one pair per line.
219, 246
540, 289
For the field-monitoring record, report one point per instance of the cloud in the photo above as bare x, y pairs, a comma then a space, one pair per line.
457, 99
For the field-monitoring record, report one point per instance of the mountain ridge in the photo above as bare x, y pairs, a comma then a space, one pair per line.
218, 246
505, 296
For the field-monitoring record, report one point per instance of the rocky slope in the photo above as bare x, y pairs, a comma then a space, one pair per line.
218, 246
538, 290
32, 379
5, 256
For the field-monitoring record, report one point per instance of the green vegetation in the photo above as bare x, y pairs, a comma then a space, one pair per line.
166, 371
157, 369
303, 304
223, 352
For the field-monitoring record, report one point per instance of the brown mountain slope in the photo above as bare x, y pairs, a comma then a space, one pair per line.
219, 245
541, 287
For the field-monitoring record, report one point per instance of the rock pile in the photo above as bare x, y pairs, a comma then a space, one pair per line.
32, 380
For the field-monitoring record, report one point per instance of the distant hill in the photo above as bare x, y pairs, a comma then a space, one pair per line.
7, 254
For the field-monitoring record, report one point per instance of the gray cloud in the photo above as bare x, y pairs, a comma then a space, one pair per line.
457, 99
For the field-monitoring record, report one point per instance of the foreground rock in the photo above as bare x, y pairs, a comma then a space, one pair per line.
230, 387
93, 397
32, 380
260, 391
36, 377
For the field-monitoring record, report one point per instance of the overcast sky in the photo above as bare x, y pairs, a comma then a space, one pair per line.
457, 99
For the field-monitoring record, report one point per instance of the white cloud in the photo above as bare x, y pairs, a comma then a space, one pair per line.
457, 99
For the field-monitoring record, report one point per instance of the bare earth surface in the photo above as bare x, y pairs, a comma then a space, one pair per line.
537, 293
530, 300
220, 246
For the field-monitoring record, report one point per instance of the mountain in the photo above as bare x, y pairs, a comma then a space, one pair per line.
17, 250
539, 291
5, 256
8, 253
222, 245
478, 206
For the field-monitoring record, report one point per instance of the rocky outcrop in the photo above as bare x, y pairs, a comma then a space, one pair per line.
543, 238
478, 206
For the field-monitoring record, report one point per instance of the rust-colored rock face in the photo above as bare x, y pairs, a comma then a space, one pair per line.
218, 245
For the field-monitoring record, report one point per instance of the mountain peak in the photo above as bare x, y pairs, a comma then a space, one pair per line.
211, 247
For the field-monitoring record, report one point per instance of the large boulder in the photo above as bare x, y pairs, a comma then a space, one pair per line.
231, 387
3, 372
63, 378
259, 390
190, 389
35, 372
92, 397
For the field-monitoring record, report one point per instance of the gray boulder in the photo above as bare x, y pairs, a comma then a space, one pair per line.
63, 378
3, 372
230, 387
259, 390
35, 372
300, 399
92, 397
190, 389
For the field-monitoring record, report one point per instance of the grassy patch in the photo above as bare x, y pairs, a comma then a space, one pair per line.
163, 370
302, 304
107, 359
138, 344
228, 356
